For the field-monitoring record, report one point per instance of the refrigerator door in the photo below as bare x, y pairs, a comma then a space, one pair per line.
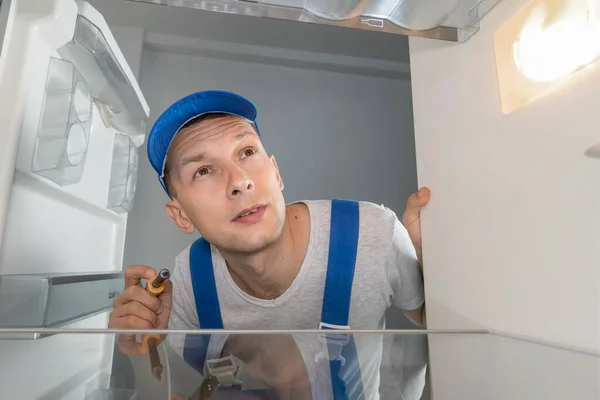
73, 121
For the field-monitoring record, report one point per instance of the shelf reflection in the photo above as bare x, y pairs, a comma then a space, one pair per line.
109, 364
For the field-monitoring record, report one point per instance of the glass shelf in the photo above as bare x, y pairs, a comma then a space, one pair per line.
452, 20
394, 364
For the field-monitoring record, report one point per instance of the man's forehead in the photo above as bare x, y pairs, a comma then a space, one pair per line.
229, 128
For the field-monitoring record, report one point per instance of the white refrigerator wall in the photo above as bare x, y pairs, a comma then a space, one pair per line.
511, 237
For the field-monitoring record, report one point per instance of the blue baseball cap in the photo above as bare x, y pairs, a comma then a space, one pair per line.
182, 111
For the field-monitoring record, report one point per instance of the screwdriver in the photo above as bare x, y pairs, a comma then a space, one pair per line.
206, 390
155, 286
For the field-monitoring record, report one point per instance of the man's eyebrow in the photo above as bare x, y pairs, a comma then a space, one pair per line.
188, 160
242, 135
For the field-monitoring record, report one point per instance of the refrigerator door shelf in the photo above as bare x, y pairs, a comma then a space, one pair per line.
55, 300
65, 125
94, 52
123, 174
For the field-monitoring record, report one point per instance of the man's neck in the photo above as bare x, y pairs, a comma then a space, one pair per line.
268, 274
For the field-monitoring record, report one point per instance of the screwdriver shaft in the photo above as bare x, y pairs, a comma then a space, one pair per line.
155, 364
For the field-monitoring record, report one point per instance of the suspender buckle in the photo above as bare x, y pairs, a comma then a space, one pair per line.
224, 370
334, 342
341, 337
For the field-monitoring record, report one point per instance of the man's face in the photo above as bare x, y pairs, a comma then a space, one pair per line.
226, 185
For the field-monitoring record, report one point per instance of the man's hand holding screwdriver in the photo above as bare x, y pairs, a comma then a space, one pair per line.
135, 308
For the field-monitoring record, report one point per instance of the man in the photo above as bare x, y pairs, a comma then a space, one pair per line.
262, 263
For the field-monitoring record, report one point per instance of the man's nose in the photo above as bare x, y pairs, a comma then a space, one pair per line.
240, 182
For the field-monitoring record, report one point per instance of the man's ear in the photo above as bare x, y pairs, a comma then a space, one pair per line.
279, 179
179, 217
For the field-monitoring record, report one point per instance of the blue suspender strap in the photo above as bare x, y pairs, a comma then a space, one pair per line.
207, 303
205, 288
343, 242
343, 361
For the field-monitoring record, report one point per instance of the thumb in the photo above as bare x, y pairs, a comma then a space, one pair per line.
166, 302
416, 201
135, 273
167, 295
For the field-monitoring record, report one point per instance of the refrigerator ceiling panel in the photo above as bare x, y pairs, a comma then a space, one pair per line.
452, 20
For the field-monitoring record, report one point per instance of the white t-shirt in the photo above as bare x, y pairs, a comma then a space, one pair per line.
386, 273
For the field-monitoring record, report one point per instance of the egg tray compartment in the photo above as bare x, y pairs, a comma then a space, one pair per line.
65, 125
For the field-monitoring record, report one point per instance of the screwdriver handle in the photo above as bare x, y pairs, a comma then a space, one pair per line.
155, 288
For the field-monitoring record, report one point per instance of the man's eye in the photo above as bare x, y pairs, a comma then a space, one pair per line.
248, 152
202, 171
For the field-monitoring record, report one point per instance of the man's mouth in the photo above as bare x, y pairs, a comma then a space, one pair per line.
246, 213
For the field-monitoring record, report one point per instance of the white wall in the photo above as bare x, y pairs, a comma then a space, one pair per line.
350, 134
511, 239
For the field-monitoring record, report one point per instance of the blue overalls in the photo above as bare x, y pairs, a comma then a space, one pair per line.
343, 361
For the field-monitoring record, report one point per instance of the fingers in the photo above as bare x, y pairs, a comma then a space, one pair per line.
166, 297
128, 346
166, 302
133, 311
139, 294
131, 322
127, 342
136, 309
135, 273
168, 288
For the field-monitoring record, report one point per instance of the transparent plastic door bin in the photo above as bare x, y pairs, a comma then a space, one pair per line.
116, 98
286, 3
65, 124
336, 9
419, 15
123, 174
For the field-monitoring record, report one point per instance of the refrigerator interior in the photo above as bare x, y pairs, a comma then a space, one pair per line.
71, 225
62, 218
346, 109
